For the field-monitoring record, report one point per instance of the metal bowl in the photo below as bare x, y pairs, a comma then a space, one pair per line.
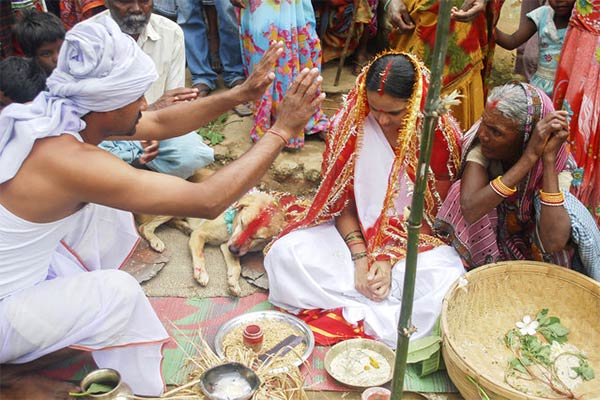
368, 344
231, 381
270, 315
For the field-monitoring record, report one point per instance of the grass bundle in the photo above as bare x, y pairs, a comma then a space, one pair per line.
280, 378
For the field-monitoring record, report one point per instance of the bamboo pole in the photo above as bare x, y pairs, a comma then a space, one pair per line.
433, 107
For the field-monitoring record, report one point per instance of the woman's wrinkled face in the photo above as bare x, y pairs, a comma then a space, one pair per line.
389, 111
500, 137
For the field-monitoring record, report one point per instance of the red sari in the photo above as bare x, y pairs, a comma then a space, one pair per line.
577, 90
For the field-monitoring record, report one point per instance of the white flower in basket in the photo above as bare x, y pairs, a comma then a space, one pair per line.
527, 326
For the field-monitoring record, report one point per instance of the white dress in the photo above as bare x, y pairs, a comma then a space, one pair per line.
60, 287
312, 268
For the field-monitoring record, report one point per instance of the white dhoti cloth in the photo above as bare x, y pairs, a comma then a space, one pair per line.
102, 311
312, 268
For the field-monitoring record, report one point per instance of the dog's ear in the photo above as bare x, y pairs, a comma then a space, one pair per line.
241, 203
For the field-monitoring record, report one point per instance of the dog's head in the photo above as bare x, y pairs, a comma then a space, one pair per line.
259, 218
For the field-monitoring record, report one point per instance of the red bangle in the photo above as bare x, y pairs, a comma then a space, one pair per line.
279, 134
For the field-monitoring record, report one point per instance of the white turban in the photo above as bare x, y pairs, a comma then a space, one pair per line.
99, 69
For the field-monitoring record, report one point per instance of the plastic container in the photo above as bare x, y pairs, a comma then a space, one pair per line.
376, 393
253, 337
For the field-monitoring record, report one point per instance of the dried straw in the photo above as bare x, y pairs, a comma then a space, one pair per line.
285, 382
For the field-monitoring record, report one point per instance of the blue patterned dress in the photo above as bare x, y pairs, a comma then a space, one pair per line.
292, 22
550, 44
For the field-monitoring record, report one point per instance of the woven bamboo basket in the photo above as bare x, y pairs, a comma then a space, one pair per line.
476, 317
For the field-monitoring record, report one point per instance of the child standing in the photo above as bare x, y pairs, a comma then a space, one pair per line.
550, 22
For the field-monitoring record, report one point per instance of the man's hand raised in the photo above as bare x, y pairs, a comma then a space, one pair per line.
299, 103
262, 75
174, 96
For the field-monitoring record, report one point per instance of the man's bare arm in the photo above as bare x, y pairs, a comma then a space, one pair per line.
104, 179
185, 117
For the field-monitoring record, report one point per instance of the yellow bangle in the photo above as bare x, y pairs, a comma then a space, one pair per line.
552, 199
501, 189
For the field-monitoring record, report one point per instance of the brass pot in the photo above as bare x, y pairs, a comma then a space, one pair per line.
110, 377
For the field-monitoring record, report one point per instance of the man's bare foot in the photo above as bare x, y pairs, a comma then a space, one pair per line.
34, 387
203, 89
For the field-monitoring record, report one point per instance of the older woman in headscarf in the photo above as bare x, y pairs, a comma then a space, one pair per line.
513, 200
342, 263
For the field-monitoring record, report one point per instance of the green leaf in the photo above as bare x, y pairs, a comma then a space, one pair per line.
482, 392
542, 315
511, 340
422, 349
430, 365
517, 365
95, 388
550, 321
555, 332
584, 370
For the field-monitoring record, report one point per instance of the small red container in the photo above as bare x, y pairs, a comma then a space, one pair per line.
253, 337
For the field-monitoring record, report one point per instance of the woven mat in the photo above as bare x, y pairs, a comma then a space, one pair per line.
184, 317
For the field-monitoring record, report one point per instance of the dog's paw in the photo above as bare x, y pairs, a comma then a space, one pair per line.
157, 244
235, 290
201, 276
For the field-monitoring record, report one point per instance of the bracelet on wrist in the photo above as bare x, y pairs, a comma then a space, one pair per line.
552, 199
501, 189
356, 232
278, 134
359, 255
356, 241
350, 238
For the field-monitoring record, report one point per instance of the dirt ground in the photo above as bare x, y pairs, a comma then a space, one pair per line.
298, 171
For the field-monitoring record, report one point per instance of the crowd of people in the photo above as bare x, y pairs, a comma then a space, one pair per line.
96, 98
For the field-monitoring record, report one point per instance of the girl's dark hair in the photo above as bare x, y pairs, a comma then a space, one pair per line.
35, 28
21, 79
398, 72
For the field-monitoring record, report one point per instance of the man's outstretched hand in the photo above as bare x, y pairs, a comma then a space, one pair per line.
299, 103
263, 74
174, 96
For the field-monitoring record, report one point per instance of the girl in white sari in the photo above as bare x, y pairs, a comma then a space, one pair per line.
347, 250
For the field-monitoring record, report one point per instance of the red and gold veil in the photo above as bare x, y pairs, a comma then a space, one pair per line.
387, 238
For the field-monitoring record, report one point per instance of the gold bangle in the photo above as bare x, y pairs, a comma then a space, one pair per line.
501, 189
351, 232
551, 196
359, 255
349, 238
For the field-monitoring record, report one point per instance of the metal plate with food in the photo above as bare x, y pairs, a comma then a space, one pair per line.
283, 334
360, 363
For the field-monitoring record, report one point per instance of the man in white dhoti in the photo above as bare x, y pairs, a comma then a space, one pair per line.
347, 251
57, 188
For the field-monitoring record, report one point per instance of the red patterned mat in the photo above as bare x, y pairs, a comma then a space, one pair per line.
184, 318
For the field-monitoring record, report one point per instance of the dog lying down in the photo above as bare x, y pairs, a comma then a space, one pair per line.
247, 226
